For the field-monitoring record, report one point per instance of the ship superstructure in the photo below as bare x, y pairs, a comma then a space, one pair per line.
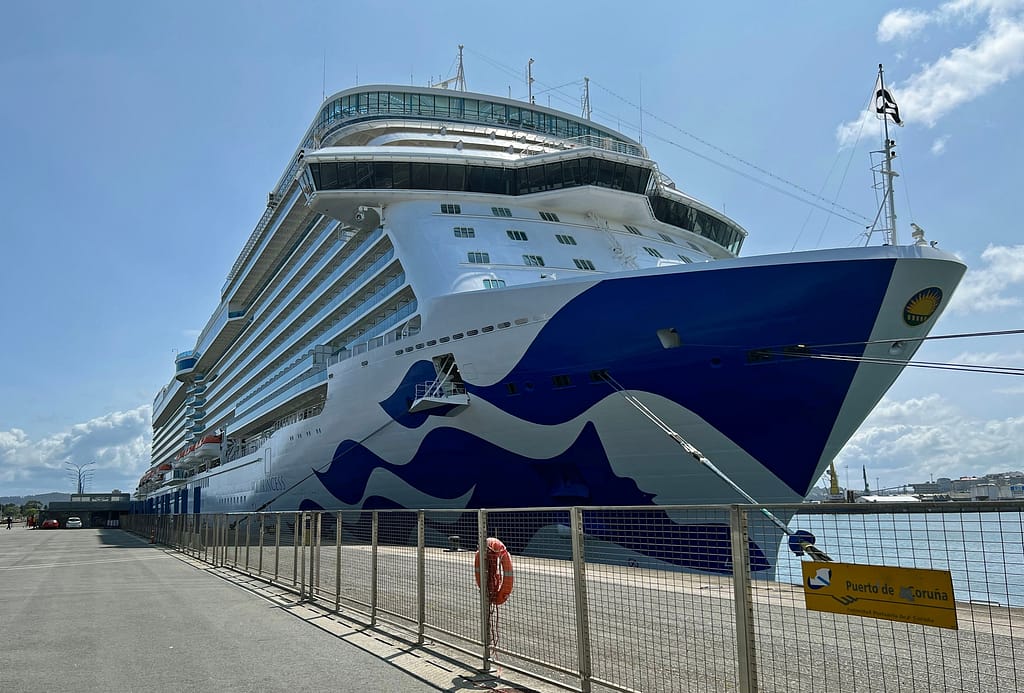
441, 288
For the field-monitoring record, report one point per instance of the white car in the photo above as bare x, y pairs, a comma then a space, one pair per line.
73, 523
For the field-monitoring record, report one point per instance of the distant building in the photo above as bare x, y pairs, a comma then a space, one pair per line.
887, 499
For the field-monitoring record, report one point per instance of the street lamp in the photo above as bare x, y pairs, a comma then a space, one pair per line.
79, 474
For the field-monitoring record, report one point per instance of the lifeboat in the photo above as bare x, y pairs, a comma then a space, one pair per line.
208, 448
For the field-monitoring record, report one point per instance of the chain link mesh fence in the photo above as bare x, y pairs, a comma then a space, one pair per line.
649, 599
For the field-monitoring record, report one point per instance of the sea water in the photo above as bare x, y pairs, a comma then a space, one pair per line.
983, 551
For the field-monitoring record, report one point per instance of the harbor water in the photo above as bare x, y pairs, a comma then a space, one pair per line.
983, 551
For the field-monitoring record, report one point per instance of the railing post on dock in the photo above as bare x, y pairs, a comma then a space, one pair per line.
746, 663
259, 559
579, 579
277, 545
314, 567
237, 539
303, 537
337, 562
248, 539
373, 570
485, 597
421, 597
296, 547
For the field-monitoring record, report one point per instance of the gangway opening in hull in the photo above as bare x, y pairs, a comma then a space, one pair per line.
446, 390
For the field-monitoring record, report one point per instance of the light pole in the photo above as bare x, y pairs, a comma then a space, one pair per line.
79, 474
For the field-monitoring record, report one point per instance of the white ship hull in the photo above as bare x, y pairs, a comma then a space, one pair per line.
771, 424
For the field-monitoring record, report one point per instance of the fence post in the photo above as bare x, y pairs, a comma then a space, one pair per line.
485, 597
238, 541
296, 547
314, 567
421, 597
263, 532
746, 664
248, 539
303, 537
337, 563
579, 579
373, 570
277, 545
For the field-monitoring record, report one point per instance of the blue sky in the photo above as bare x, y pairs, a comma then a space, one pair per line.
139, 141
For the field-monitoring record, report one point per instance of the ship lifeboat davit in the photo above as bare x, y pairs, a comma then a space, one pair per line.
208, 448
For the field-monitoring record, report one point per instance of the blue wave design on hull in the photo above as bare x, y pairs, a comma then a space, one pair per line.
450, 462
613, 326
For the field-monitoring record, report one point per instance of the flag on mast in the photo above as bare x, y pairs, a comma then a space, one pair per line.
885, 104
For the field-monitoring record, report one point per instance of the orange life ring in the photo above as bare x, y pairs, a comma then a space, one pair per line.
500, 582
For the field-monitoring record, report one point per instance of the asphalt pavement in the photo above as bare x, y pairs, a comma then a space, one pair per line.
103, 610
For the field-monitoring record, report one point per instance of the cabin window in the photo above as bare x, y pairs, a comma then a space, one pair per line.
549, 216
561, 381
478, 258
451, 209
684, 258
583, 264
501, 211
632, 229
516, 235
494, 283
565, 239
533, 260
464, 232
665, 237
653, 252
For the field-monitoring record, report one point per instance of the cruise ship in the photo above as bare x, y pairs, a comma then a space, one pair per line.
452, 300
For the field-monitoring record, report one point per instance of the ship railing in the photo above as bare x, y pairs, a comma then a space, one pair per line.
389, 321
251, 444
601, 594
608, 144
439, 389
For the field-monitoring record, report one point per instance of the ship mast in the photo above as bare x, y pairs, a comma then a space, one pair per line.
888, 147
459, 80
586, 98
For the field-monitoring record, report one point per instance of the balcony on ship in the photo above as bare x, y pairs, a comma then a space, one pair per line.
185, 364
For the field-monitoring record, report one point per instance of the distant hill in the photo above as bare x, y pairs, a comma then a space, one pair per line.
44, 498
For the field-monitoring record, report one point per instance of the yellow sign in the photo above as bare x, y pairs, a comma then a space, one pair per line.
909, 595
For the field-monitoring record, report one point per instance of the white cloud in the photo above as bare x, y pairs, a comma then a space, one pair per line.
939, 145
996, 285
907, 441
902, 23
964, 73
118, 443
1013, 359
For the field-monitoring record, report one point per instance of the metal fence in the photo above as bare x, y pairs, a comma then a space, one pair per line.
649, 599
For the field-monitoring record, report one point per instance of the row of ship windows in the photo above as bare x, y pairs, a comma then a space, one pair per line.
452, 208
477, 257
373, 175
563, 238
457, 108
560, 381
516, 235
468, 333
481, 257
477, 178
